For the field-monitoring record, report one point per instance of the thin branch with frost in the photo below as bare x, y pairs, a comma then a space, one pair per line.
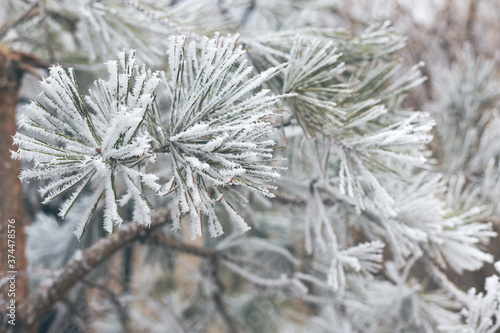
260, 245
40, 301
281, 282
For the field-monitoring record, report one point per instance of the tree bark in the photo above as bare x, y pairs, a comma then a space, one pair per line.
13, 65
11, 194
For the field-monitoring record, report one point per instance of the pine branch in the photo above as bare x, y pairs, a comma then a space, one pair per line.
78, 145
219, 131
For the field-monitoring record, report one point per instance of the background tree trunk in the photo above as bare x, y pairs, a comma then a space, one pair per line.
11, 193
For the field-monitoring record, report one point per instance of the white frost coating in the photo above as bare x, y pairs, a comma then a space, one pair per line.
195, 222
218, 129
96, 147
197, 164
68, 204
142, 209
481, 311
497, 266
192, 132
148, 179
111, 216
82, 226
215, 143
236, 219
368, 256
351, 134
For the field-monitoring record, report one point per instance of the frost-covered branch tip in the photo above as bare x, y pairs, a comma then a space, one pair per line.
91, 142
219, 130
217, 135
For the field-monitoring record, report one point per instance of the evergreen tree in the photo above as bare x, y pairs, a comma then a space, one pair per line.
280, 151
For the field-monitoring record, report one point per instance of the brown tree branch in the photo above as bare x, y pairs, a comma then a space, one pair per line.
174, 244
203, 252
41, 300
28, 13
11, 192
284, 198
215, 256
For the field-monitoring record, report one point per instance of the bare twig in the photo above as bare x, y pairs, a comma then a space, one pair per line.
471, 20
207, 253
32, 60
217, 295
18, 19
46, 29
171, 312
120, 309
74, 314
284, 198
174, 244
